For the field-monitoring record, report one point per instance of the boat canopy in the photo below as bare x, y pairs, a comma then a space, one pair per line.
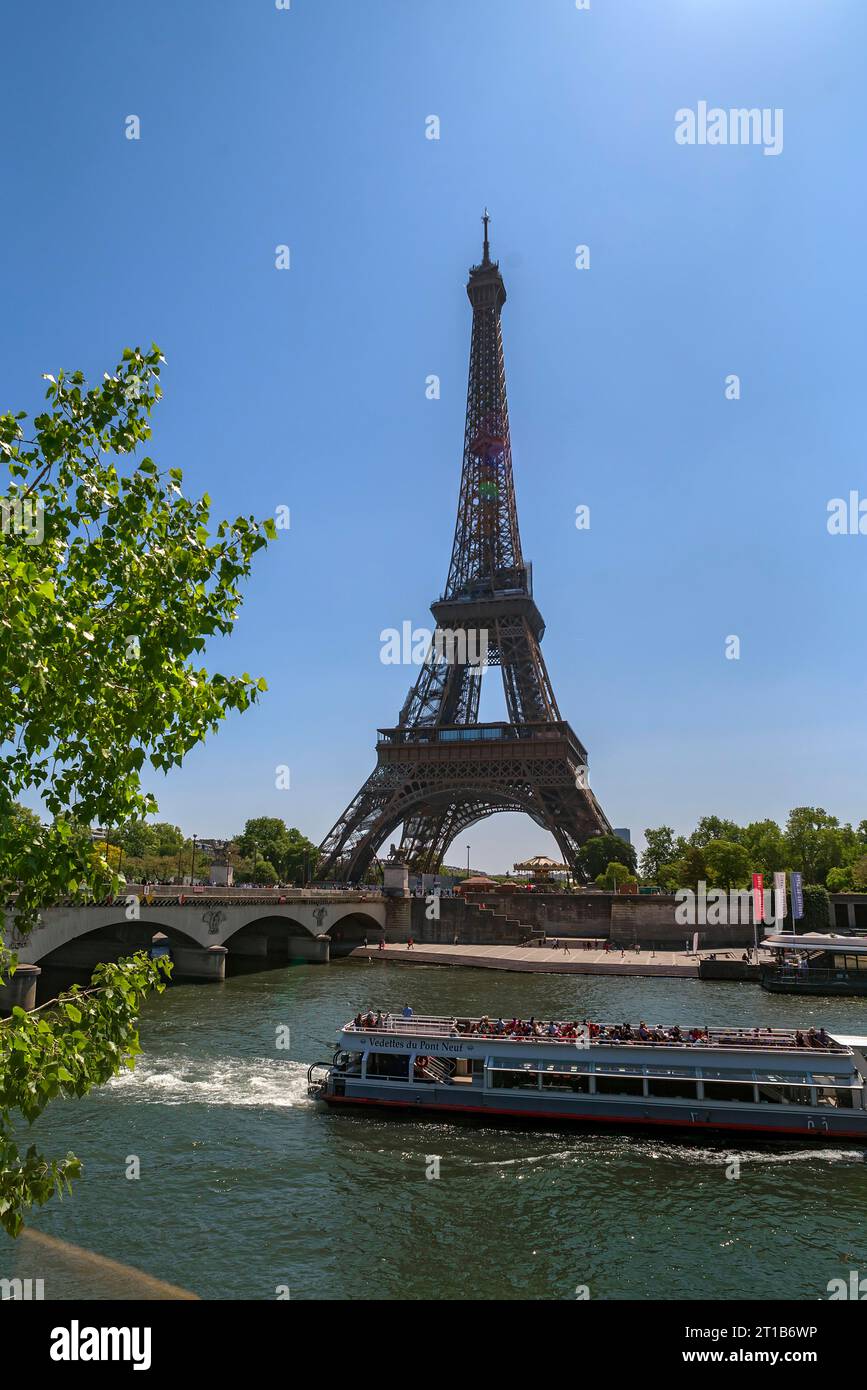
817, 941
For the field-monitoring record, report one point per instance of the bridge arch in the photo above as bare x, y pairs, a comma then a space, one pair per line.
74, 960
351, 930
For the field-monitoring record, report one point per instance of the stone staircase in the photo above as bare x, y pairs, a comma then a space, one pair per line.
474, 923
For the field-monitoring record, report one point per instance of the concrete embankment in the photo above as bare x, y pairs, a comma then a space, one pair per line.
538, 959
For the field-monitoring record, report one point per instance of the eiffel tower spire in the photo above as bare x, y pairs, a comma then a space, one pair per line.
439, 770
486, 554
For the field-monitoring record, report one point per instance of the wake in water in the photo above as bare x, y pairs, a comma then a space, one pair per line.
677, 1153
258, 1081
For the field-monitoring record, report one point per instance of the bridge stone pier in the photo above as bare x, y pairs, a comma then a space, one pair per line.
202, 931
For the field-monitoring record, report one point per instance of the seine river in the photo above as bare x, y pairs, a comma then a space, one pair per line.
246, 1187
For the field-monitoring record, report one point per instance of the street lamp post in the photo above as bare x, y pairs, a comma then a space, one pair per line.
468, 861
193, 863
255, 851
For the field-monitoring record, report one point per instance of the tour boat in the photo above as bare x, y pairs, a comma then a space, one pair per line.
816, 963
774, 1082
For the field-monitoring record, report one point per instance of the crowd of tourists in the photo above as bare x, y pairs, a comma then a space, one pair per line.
520, 1029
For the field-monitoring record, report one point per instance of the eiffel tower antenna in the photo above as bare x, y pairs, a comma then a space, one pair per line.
439, 770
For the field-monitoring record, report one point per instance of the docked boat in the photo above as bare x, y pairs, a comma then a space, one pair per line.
774, 1082
816, 963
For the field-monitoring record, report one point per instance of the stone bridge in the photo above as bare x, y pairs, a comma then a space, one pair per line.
199, 930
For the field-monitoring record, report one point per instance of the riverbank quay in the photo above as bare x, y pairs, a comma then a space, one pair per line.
546, 960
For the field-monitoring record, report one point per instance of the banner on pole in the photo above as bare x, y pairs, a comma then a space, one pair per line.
780, 898
797, 897
758, 898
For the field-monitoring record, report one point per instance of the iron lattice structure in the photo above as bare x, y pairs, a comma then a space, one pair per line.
439, 770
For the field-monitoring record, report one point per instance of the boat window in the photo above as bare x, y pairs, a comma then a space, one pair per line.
350, 1062
391, 1064
729, 1090
563, 1079
612, 1085
785, 1095
785, 1078
678, 1087
671, 1071
828, 1093
730, 1074
514, 1080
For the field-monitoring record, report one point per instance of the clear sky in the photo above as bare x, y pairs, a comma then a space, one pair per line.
306, 388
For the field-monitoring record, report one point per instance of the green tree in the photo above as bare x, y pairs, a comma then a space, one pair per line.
300, 854
260, 872
691, 868
597, 853
728, 864
100, 624
817, 909
815, 843
765, 843
859, 873
142, 838
714, 828
661, 849
266, 836
840, 880
669, 876
285, 848
138, 839
615, 876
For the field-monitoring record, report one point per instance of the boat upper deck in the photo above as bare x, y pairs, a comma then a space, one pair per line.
370, 1027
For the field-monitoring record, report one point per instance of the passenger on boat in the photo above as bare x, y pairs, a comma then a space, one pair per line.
407, 1011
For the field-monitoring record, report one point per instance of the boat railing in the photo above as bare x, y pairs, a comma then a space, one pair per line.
778, 1039
431, 1027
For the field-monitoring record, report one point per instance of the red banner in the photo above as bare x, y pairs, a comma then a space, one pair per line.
758, 897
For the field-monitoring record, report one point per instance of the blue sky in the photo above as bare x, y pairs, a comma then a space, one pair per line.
305, 388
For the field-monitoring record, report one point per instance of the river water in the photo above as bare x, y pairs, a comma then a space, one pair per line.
247, 1187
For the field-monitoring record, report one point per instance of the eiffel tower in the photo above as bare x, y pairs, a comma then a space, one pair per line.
440, 770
